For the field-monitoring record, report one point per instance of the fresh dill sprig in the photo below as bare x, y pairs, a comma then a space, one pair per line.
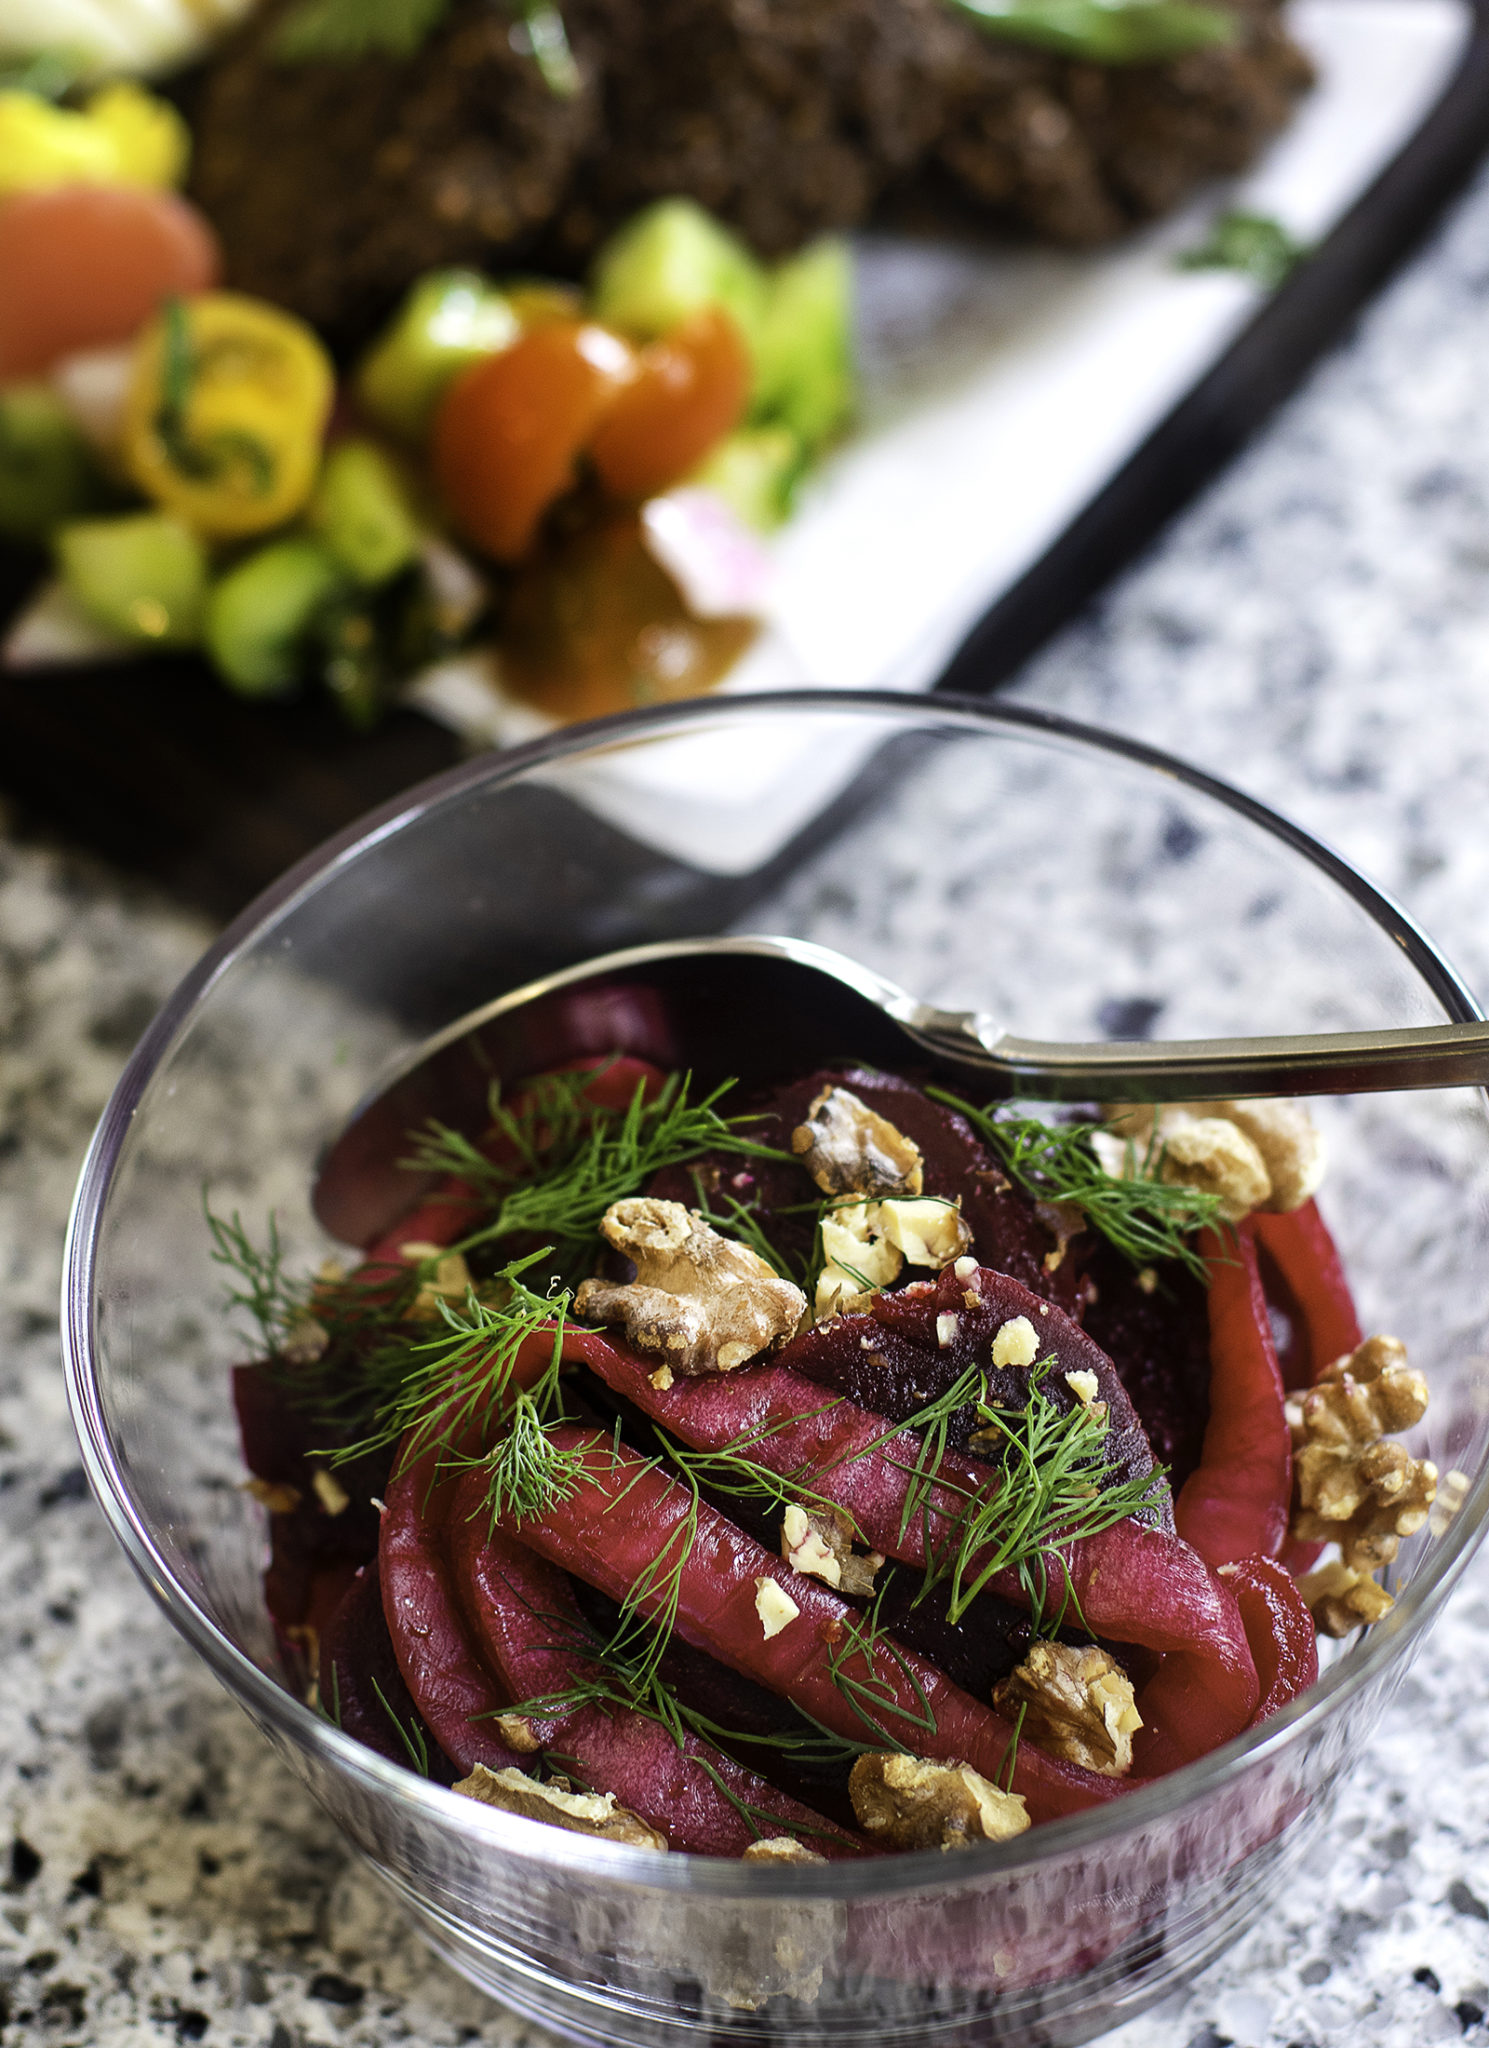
613, 1155
870, 1693
1056, 1486
262, 1287
412, 1737
439, 1390
1147, 1219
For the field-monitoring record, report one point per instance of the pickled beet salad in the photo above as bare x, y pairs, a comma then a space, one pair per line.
826, 1471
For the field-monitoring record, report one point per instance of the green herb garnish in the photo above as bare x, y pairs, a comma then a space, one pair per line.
593, 1158
200, 461
1056, 1486
1106, 31
341, 30
412, 1737
435, 1393
1253, 243
1147, 1219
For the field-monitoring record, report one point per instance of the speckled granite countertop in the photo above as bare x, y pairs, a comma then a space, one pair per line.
1318, 630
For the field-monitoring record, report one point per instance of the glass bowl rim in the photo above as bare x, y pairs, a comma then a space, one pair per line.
269, 1703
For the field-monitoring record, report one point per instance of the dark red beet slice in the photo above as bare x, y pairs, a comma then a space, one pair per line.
1284, 1641
1235, 1503
1300, 1263
313, 1553
1159, 1342
1134, 1585
432, 1636
893, 1360
625, 1513
531, 1634
362, 1688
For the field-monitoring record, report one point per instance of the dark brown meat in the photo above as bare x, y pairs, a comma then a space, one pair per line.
333, 186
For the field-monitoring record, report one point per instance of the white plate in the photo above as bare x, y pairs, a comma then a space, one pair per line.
1000, 391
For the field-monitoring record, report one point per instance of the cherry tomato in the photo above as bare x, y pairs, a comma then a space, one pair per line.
509, 430
86, 265
690, 390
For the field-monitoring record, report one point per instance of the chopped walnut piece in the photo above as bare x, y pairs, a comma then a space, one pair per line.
1290, 1145
305, 1341
849, 1149
818, 1542
909, 1802
865, 1245
450, 1280
1254, 1155
780, 1849
704, 1302
1015, 1343
1351, 1486
272, 1494
1079, 1706
1064, 1221
775, 1607
518, 1733
582, 1813
329, 1491
1341, 1599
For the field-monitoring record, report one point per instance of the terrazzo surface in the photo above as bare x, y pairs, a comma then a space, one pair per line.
1316, 629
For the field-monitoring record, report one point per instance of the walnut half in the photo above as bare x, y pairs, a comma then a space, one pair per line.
1078, 1705
1253, 1155
849, 1149
1351, 1486
819, 1542
910, 1802
557, 1804
699, 1301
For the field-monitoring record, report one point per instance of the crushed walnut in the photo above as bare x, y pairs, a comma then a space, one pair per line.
780, 1849
560, 1806
910, 1802
1352, 1486
818, 1541
704, 1302
450, 1280
1253, 1155
1078, 1705
865, 1245
775, 1607
274, 1495
849, 1149
329, 1490
1341, 1599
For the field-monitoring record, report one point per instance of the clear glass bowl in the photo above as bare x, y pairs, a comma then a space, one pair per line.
991, 859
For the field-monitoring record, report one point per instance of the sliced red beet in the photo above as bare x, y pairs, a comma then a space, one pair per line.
313, 1552
908, 1348
433, 1640
362, 1688
1133, 1584
1297, 1251
1284, 1641
1236, 1503
531, 1634
626, 1515
1158, 1338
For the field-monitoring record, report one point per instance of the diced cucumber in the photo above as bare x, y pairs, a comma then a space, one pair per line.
450, 319
672, 260
47, 473
361, 511
754, 472
805, 351
262, 613
143, 575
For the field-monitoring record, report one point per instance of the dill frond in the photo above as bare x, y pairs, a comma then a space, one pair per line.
1147, 1219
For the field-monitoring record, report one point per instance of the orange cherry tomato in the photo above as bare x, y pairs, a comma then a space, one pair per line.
86, 265
690, 389
509, 430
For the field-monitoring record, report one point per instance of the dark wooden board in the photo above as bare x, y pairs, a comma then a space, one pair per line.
162, 771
